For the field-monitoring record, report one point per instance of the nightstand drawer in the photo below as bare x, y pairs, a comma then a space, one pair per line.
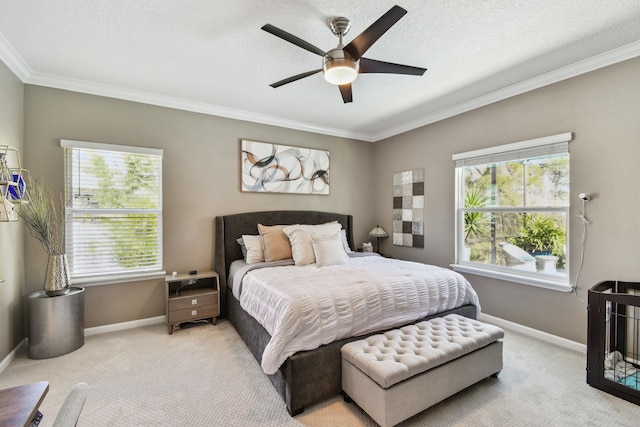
193, 313
192, 300
190, 297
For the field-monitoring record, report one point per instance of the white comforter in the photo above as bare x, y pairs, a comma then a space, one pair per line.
305, 307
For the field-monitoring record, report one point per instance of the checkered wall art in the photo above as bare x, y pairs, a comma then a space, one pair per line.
408, 208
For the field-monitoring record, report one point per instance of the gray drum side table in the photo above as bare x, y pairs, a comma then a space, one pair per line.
56, 324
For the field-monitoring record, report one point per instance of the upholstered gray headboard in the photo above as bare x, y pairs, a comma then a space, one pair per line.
229, 227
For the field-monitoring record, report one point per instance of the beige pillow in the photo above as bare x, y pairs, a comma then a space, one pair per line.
300, 240
254, 249
329, 249
274, 242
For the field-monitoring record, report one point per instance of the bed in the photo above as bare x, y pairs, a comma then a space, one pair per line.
306, 377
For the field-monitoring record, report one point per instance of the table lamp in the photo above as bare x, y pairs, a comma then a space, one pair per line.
378, 232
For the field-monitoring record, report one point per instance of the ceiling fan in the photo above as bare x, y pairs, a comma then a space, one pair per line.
341, 65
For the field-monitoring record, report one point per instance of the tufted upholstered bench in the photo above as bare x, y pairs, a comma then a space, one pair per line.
395, 375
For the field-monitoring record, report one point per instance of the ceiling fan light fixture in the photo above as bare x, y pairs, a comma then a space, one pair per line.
340, 71
341, 65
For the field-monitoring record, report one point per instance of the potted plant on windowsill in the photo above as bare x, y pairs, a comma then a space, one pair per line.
540, 236
41, 217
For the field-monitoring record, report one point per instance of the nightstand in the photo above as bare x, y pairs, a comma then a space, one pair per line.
191, 297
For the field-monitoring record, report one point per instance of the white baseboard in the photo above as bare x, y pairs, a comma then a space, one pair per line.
91, 331
534, 333
123, 326
525, 330
7, 360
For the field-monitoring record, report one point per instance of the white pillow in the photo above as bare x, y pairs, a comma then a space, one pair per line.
243, 248
347, 249
254, 249
328, 249
300, 239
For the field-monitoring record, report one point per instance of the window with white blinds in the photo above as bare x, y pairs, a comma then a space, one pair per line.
113, 210
512, 212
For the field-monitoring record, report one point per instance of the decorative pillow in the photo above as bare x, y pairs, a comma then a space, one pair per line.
254, 249
243, 248
328, 249
274, 242
345, 243
300, 240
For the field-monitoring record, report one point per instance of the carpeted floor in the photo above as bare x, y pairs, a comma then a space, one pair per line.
205, 376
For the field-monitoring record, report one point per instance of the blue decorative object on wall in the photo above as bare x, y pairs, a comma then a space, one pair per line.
17, 192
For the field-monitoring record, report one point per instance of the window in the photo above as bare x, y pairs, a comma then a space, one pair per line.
113, 210
512, 207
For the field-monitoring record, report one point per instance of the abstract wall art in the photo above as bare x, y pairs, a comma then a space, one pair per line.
408, 208
273, 168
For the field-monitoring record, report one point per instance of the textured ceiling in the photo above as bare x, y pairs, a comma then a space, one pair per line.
211, 55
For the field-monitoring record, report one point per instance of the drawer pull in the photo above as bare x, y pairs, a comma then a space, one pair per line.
194, 301
194, 312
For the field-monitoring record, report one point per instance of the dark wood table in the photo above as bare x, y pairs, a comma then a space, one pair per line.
19, 405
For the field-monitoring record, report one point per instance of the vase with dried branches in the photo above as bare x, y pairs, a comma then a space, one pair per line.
45, 223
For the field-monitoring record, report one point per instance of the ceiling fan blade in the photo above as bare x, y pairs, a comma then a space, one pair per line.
294, 78
345, 91
375, 66
293, 39
368, 37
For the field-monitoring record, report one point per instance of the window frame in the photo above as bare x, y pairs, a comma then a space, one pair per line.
157, 271
552, 144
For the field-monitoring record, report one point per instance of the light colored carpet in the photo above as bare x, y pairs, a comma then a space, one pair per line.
206, 376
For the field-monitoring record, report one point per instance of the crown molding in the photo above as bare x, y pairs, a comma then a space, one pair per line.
13, 61
21, 69
623, 53
99, 89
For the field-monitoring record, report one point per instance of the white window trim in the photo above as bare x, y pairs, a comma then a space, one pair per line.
110, 279
68, 143
515, 146
540, 282
114, 278
496, 272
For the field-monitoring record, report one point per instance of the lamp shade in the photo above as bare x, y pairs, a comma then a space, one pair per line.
378, 232
339, 68
340, 71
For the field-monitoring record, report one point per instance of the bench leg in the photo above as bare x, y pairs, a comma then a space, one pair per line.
495, 375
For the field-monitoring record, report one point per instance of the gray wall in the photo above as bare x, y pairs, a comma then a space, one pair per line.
602, 109
201, 180
12, 319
